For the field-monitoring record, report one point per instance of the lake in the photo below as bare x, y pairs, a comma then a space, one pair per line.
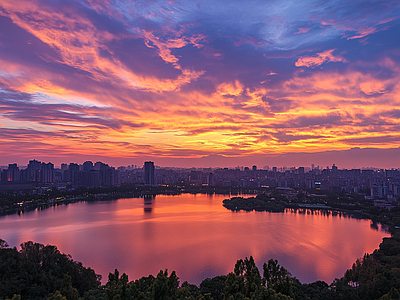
195, 236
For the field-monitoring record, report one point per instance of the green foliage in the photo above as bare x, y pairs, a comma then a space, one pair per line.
67, 290
392, 294
277, 278
259, 203
164, 287
213, 287
318, 290
187, 291
234, 287
116, 285
95, 294
375, 276
36, 271
246, 283
3, 244
56, 296
15, 297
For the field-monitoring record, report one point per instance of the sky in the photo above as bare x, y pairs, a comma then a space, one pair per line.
201, 83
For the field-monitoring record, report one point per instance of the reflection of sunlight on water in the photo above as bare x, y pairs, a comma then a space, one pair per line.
196, 236
129, 212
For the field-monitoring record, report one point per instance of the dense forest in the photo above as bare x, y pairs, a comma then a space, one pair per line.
37, 271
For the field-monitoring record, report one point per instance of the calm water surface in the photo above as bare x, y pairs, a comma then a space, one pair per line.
195, 236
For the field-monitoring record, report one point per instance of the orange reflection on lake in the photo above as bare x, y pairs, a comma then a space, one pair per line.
195, 236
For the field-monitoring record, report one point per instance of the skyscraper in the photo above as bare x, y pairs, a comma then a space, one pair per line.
47, 173
149, 172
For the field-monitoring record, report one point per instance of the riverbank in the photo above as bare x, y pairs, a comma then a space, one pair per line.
275, 202
19, 203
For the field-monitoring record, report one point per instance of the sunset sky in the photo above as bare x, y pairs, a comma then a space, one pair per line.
213, 83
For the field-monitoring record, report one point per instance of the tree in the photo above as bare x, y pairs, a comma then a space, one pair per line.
214, 286
15, 297
67, 290
3, 244
277, 277
188, 291
56, 296
116, 285
37, 270
164, 287
234, 287
252, 278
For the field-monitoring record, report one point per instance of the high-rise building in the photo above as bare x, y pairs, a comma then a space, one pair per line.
87, 166
73, 170
210, 179
64, 167
13, 172
108, 175
34, 168
149, 172
47, 173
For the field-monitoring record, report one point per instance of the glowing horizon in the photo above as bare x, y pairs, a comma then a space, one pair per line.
178, 79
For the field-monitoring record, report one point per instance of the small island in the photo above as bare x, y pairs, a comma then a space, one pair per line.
258, 203
354, 205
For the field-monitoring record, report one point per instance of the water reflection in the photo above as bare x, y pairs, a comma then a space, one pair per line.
148, 203
196, 236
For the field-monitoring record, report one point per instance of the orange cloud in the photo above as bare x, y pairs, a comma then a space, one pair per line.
319, 59
79, 44
228, 89
363, 32
302, 30
165, 47
211, 104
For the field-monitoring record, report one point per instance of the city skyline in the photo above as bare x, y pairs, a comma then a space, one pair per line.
355, 158
38, 176
206, 84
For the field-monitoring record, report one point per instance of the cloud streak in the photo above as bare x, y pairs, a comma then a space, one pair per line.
318, 59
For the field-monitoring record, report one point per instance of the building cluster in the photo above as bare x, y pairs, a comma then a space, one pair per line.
36, 171
84, 175
378, 183
375, 182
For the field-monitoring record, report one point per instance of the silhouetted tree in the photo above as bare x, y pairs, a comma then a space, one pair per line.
277, 278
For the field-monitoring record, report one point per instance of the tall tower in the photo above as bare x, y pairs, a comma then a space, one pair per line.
149, 172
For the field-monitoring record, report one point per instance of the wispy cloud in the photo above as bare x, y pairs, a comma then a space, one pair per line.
318, 59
